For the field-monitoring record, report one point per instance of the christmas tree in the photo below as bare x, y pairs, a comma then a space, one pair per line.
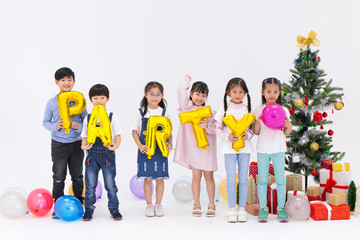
309, 98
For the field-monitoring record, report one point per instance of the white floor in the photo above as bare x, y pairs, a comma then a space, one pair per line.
176, 224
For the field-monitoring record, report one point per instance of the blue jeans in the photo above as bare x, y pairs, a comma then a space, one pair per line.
242, 159
278, 160
103, 159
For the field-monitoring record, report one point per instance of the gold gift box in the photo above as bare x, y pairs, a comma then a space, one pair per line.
337, 199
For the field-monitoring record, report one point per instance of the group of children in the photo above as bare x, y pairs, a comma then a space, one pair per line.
67, 148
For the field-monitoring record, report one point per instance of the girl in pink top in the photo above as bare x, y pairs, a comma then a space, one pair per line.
188, 154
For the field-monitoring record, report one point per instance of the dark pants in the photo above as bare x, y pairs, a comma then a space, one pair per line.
64, 155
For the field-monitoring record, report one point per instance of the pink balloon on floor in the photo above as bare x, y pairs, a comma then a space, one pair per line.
273, 116
40, 202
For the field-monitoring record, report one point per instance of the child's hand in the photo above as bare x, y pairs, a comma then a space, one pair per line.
59, 124
202, 124
143, 149
244, 136
187, 77
75, 125
169, 146
287, 124
86, 146
112, 146
257, 121
233, 138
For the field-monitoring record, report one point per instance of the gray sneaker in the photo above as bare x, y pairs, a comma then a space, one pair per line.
159, 210
149, 210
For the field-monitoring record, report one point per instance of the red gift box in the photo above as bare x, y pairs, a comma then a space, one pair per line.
318, 198
327, 164
253, 169
272, 199
323, 211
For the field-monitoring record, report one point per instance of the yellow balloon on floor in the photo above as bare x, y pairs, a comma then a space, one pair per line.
71, 192
65, 111
195, 117
222, 187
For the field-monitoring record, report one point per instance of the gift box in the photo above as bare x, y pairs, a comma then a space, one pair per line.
271, 180
291, 194
333, 181
337, 199
253, 169
341, 166
252, 194
253, 208
272, 199
293, 182
323, 211
313, 191
327, 164
318, 198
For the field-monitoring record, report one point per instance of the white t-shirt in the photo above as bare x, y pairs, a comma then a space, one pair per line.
136, 125
238, 113
116, 128
270, 140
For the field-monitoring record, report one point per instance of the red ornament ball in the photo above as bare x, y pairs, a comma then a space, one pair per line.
343, 104
314, 173
319, 58
291, 110
325, 114
331, 132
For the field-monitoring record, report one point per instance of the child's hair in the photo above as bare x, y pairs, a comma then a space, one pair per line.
199, 87
144, 102
271, 80
98, 90
236, 82
64, 72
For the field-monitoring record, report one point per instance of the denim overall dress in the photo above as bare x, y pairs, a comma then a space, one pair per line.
100, 157
157, 166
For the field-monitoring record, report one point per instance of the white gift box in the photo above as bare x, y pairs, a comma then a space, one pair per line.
291, 194
334, 181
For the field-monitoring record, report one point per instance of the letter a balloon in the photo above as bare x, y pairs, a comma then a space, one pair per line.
104, 130
65, 111
238, 128
153, 135
195, 117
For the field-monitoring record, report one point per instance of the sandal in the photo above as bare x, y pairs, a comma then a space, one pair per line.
210, 211
196, 212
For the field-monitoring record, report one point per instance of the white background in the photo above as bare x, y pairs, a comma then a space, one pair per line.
124, 45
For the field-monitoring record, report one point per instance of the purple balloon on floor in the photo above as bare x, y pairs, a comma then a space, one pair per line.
98, 190
137, 187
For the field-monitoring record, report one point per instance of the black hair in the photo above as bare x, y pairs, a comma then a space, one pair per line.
199, 87
144, 102
64, 72
99, 90
271, 80
231, 84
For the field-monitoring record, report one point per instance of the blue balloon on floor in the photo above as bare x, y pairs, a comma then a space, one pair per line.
68, 208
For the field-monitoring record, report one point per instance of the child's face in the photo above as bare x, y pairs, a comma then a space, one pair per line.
65, 84
96, 100
236, 94
198, 98
153, 97
271, 93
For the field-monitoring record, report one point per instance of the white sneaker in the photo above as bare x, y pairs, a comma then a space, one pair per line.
242, 216
231, 217
159, 210
149, 210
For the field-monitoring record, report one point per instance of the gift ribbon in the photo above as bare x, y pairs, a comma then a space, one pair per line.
310, 40
329, 185
328, 207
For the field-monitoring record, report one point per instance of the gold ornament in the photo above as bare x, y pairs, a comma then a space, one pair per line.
338, 106
298, 103
314, 146
311, 40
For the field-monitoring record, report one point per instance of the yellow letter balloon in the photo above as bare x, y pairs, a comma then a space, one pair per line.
153, 135
103, 131
65, 111
238, 128
195, 117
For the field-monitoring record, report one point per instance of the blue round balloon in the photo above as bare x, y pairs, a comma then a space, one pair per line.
68, 208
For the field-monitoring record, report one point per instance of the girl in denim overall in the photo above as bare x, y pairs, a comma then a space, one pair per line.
271, 146
155, 168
